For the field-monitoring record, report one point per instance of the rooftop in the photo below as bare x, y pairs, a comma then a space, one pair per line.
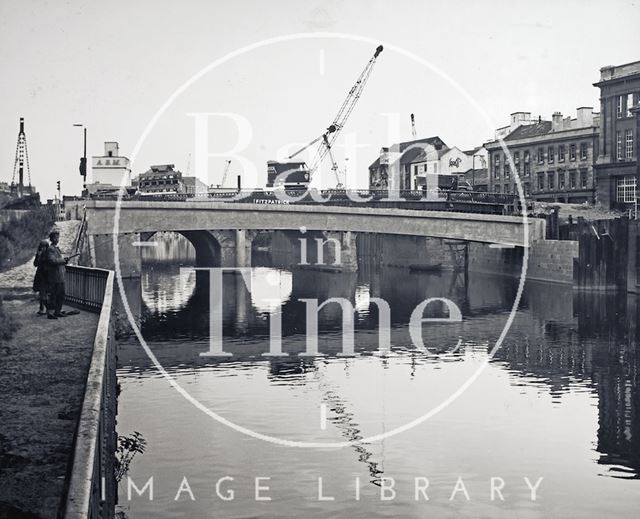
162, 167
611, 72
412, 152
528, 131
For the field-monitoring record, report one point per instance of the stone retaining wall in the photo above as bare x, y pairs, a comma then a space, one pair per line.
549, 260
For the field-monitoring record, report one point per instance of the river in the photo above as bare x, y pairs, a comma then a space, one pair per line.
548, 425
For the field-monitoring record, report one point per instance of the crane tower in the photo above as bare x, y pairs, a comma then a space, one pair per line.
326, 140
22, 159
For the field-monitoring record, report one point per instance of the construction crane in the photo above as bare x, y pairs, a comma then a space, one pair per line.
326, 140
413, 126
224, 175
22, 158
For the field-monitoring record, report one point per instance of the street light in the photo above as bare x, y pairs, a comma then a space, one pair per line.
346, 167
83, 159
473, 171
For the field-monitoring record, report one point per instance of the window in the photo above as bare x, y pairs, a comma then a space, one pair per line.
619, 103
497, 188
628, 146
561, 152
540, 181
507, 168
561, 180
619, 145
629, 105
572, 180
550, 154
626, 189
583, 179
496, 165
526, 188
583, 150
527, 164
507, 188
572, 152
551, 180
540, 155
516, 160
111, 154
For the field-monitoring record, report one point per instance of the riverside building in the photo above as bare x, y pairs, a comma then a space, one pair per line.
553, 159
617, 165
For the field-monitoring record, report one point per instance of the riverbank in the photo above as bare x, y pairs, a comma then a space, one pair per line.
44, 371
42, 380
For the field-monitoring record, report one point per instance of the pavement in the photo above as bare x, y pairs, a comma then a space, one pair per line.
42, 380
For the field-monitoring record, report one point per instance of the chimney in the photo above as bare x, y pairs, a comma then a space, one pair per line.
606, 72
585, 116
519, 119
556, 123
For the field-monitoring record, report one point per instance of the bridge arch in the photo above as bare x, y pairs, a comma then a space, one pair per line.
207, 245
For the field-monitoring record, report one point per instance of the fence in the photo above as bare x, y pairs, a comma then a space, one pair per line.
85, 287
91, 486
445, 200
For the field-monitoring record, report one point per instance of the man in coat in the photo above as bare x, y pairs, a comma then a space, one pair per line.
56, 263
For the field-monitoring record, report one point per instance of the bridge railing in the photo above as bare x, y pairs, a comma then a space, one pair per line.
91, 486
443, 200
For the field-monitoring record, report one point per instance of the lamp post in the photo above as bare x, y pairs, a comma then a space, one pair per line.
83, 159
346, 167
473, 171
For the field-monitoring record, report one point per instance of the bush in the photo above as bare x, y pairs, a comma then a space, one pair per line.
19, 238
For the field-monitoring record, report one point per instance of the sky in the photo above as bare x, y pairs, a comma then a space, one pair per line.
461, 66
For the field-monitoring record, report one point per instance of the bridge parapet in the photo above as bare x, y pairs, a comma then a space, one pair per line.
203, 222
149, 216
91, 484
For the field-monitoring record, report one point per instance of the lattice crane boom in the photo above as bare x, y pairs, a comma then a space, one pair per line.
226, 172
327, 139
22, 159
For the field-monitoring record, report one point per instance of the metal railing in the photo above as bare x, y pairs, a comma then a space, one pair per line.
85, 287
91, 486
443, 200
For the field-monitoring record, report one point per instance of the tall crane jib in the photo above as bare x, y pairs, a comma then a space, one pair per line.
326, 140
21, 160
225, 173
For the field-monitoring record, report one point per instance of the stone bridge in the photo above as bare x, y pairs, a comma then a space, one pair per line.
222, 232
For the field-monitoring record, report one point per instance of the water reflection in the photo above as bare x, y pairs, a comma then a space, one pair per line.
595, 345
562, 344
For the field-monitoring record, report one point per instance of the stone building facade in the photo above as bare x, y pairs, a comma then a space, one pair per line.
553, 159
617, 161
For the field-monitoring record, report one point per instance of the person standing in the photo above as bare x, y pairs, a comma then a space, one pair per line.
56, 268
40, 283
